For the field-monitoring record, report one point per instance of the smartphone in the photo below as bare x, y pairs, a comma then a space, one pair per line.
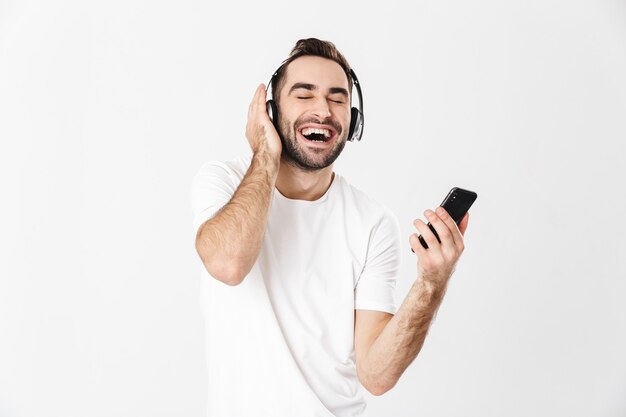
457, 203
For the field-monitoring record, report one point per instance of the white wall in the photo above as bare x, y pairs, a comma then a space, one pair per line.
108, 109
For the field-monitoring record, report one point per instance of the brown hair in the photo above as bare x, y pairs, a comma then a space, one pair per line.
315, 47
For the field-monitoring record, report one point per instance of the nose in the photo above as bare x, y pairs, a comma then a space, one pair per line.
321, 109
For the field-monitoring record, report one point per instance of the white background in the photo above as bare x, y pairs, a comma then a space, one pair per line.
108, 109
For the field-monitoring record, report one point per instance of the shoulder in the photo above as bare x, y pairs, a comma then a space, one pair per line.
213, 186
365, 205
233, 170
237, 166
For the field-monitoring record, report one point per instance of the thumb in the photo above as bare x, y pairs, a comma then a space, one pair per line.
463, 223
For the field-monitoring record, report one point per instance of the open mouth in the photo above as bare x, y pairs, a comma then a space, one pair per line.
315, 134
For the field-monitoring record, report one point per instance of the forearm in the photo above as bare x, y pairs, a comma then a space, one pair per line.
402, 338
230, 242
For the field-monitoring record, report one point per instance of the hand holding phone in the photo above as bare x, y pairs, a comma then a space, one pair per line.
457, 203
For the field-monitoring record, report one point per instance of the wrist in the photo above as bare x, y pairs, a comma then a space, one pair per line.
264, 159
266, 148
432, 289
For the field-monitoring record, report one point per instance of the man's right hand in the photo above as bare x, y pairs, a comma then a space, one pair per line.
260, 130
229, 243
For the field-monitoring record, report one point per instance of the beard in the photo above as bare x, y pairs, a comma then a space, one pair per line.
305, 158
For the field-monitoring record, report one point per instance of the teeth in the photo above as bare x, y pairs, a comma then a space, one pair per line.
309, 131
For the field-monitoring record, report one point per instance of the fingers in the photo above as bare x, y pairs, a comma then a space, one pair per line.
437, 263
444, 223
416, 245
259, 94
463, 223
447, 237
256, 109
427, 235
260, 130
442, 227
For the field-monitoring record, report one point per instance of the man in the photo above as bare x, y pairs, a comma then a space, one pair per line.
299, 303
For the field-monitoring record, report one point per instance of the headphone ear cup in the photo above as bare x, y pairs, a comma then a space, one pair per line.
272, 112
356, 124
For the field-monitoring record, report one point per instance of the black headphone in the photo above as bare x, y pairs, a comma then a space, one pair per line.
356, 118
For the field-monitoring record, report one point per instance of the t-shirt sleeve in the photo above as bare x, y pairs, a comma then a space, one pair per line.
212, 187
376, 285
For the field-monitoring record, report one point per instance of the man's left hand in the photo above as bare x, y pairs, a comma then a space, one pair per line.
436, 264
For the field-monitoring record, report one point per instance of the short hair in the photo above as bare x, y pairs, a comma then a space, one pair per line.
310, 47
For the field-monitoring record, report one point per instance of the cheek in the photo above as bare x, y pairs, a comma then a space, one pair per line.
337, 110
286, 116
292, 112
346, 116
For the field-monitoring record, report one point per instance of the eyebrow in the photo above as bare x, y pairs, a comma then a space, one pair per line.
312, 87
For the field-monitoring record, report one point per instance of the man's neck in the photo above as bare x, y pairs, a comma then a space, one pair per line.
297, 184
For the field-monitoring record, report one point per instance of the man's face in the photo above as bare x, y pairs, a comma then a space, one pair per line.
314, 112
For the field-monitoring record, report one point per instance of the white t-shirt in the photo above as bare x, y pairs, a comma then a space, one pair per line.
281, 344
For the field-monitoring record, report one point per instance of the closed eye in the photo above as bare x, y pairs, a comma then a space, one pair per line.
304, 98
